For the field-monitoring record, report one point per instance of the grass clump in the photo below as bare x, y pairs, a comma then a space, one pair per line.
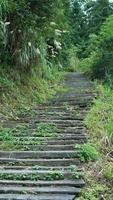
76, 174
6, 139
108, 172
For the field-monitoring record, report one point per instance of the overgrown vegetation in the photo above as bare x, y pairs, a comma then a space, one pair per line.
99, 174
92, 34
99, 62
32, 47
34, 176
20, 137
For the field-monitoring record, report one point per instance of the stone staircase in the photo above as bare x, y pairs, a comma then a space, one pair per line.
48, 166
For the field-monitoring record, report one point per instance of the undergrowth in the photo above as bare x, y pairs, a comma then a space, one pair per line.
18, 94
99, 172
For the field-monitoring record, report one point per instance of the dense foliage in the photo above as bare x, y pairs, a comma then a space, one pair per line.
92, 23
99, 62
32, 33
34, 46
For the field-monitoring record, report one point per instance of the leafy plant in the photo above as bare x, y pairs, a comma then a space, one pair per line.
47, 130
87, 152
54, 175
76, 174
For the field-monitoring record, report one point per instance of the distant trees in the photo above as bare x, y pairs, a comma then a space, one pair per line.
97, 12
87, 17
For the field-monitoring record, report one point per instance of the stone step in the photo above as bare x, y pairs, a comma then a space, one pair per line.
39, 154
60, 183
58, 108
34, 125
77, 117
77, 94
49, 141
84, 103
40, 162
27, 174
69, 130
59, 121
36, 167
76, 99
37, 135
49, 121
34, 197
73, 97
40, 138
48, 147
41, 190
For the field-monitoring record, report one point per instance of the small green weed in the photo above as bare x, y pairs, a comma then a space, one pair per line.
75, 173
54, 175
46, 130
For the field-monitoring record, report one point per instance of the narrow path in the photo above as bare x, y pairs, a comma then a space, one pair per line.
44, 163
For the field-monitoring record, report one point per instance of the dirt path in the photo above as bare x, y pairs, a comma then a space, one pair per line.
44, 163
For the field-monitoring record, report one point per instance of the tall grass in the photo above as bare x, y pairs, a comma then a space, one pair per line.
100, 119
